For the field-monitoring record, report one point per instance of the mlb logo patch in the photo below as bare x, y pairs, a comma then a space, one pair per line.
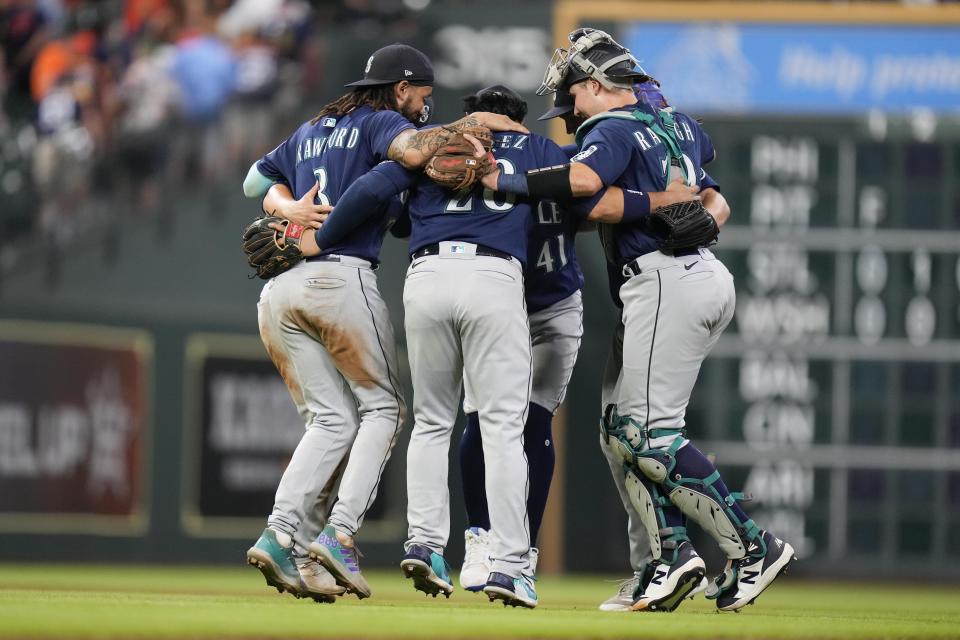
457, 248
328, 122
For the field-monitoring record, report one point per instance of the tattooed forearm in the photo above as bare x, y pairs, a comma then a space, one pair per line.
413, 150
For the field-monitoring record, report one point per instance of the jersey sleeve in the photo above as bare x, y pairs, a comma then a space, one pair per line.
706, 181
607, 151
551, 154
279, 164
381, 128
707, 151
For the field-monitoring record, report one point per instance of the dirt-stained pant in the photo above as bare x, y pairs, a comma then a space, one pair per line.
328, 332
465, 318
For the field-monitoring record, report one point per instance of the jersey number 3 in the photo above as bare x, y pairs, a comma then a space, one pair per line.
321, 174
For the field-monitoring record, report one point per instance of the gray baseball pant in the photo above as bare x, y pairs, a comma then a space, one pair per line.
466, 322
328, 331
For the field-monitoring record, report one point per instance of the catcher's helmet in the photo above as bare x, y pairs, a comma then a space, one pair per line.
591, 54
497, 99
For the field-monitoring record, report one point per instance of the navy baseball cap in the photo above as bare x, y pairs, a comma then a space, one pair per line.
394, 63
562, 105
497, 89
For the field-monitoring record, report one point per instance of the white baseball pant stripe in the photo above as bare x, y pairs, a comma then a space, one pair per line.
673, 314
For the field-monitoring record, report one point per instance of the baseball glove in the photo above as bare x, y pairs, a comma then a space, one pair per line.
272, 252
456, 166
684, 225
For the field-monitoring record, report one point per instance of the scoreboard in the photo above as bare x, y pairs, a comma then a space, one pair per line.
834, 396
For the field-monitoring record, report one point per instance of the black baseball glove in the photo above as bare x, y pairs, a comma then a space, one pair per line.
684, 225
272, 252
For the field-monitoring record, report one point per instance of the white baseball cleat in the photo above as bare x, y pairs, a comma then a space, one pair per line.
476, 559
623, 599
664, 586
753, 574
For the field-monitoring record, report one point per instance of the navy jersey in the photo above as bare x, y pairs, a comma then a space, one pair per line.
552, 272
333, 153
496, 220
630, 155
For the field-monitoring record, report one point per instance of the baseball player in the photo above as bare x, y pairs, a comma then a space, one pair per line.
555, 311
675, 305
466, 290
467, 327
324, 324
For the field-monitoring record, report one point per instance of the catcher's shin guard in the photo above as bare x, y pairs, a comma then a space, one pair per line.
704, 498
651, 506
707, 501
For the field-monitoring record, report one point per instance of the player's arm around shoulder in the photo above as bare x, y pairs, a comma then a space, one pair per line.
413, 149
279, 201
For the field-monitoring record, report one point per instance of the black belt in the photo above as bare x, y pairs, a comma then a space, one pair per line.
632, 268
434, 250
336, 257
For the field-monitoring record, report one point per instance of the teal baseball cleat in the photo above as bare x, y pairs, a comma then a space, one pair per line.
516, 592
428, 570
337, 553
276, 563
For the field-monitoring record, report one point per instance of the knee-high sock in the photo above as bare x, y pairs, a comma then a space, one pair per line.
541, 458
472, 474
691, 463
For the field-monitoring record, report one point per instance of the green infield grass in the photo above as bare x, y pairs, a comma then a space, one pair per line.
87, 601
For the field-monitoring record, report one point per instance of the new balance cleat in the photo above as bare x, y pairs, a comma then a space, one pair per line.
476, 559
516, 592
664, 586
428, 570
337, 553
317, 581
752, 574
276, 563
623, 599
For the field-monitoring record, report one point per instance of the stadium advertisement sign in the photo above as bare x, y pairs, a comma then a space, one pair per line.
241, 431
73, 428
794, 68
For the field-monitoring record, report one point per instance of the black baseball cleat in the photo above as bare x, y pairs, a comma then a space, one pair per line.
753, 574
664, 586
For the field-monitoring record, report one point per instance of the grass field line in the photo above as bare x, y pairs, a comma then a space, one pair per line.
92, 601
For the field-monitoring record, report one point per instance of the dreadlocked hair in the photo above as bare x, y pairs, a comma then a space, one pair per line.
378, 97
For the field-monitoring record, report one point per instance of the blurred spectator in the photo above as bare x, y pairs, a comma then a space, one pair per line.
23, 31
107, 102
204, 69
248, 121
145, 101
